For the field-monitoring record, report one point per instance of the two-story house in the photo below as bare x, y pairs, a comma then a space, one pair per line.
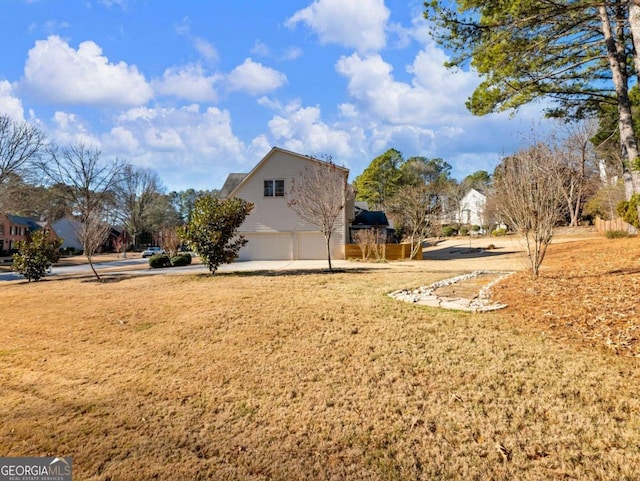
15, 228
275, 231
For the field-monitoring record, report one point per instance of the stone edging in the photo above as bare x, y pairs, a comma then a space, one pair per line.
426, 296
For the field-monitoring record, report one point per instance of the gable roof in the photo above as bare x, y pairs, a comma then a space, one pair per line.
479, 191
266, 158
67, 229
233, 180
371, 218
32, 224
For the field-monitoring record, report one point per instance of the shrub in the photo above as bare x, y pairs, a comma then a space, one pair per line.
36, 255
212, 230
616, 234
159, 260
449, 231
628, 210
499, 231
464, 230
475, 228
490, 247
181, 260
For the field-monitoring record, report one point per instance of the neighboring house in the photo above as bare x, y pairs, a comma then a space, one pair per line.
15, 228
365, 219
67, 229
472, 208
119, 237
273, 230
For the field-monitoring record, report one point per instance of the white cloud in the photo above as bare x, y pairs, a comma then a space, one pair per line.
188, 82
348, 110
292, 53
9, 104
417, 139
176, 141
206, 49
263, 50
57, 73
255, 78
165, 139
434, 95
69, 129
119, 140
358, 24
258, 148
260, 48
301, 129
110, 3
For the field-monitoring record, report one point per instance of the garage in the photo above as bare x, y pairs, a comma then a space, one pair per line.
267, 246
311, 245
286, 246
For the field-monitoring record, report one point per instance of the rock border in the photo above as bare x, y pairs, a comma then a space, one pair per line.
425, 295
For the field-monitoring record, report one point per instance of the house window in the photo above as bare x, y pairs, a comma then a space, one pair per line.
1, 230
274, 188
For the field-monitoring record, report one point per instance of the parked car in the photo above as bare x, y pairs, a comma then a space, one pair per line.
152, 251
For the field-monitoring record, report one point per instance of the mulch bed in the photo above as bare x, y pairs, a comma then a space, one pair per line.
587, 291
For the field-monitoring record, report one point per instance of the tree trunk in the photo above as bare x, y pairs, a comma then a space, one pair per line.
616, 57
328, 239
90, 259
634, 26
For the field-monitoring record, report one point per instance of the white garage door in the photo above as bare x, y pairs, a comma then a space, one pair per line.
311, 245
271, 246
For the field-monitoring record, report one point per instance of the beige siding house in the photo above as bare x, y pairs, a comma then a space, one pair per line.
274, 231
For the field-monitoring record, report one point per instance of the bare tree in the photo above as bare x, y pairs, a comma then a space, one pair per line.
169, 240
93, 232
529, 197
89, 187
414, 210
576, 166
371, 242
20, 145
319, 196
135, 194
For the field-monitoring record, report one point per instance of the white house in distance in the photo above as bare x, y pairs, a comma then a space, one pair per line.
274, 231
472, 208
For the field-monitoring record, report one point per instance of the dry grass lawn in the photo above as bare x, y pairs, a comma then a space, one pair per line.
306, 376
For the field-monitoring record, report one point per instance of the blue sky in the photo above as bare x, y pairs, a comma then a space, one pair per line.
201, 88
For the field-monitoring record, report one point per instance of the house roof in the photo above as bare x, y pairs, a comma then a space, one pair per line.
371, 218
266, 157
482, 192
233, 180
32, 224
67, 229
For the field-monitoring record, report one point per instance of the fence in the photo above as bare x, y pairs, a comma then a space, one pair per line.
603, 226
390, 252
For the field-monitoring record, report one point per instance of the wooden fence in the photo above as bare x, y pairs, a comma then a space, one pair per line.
603, 226
390, 252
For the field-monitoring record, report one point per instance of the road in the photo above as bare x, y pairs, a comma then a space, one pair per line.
79, 269
141, 267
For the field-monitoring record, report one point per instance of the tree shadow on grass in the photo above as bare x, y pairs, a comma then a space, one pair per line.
285, 272
454, 253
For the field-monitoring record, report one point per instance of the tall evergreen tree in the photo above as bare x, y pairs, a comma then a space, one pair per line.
380, 180
577, 53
